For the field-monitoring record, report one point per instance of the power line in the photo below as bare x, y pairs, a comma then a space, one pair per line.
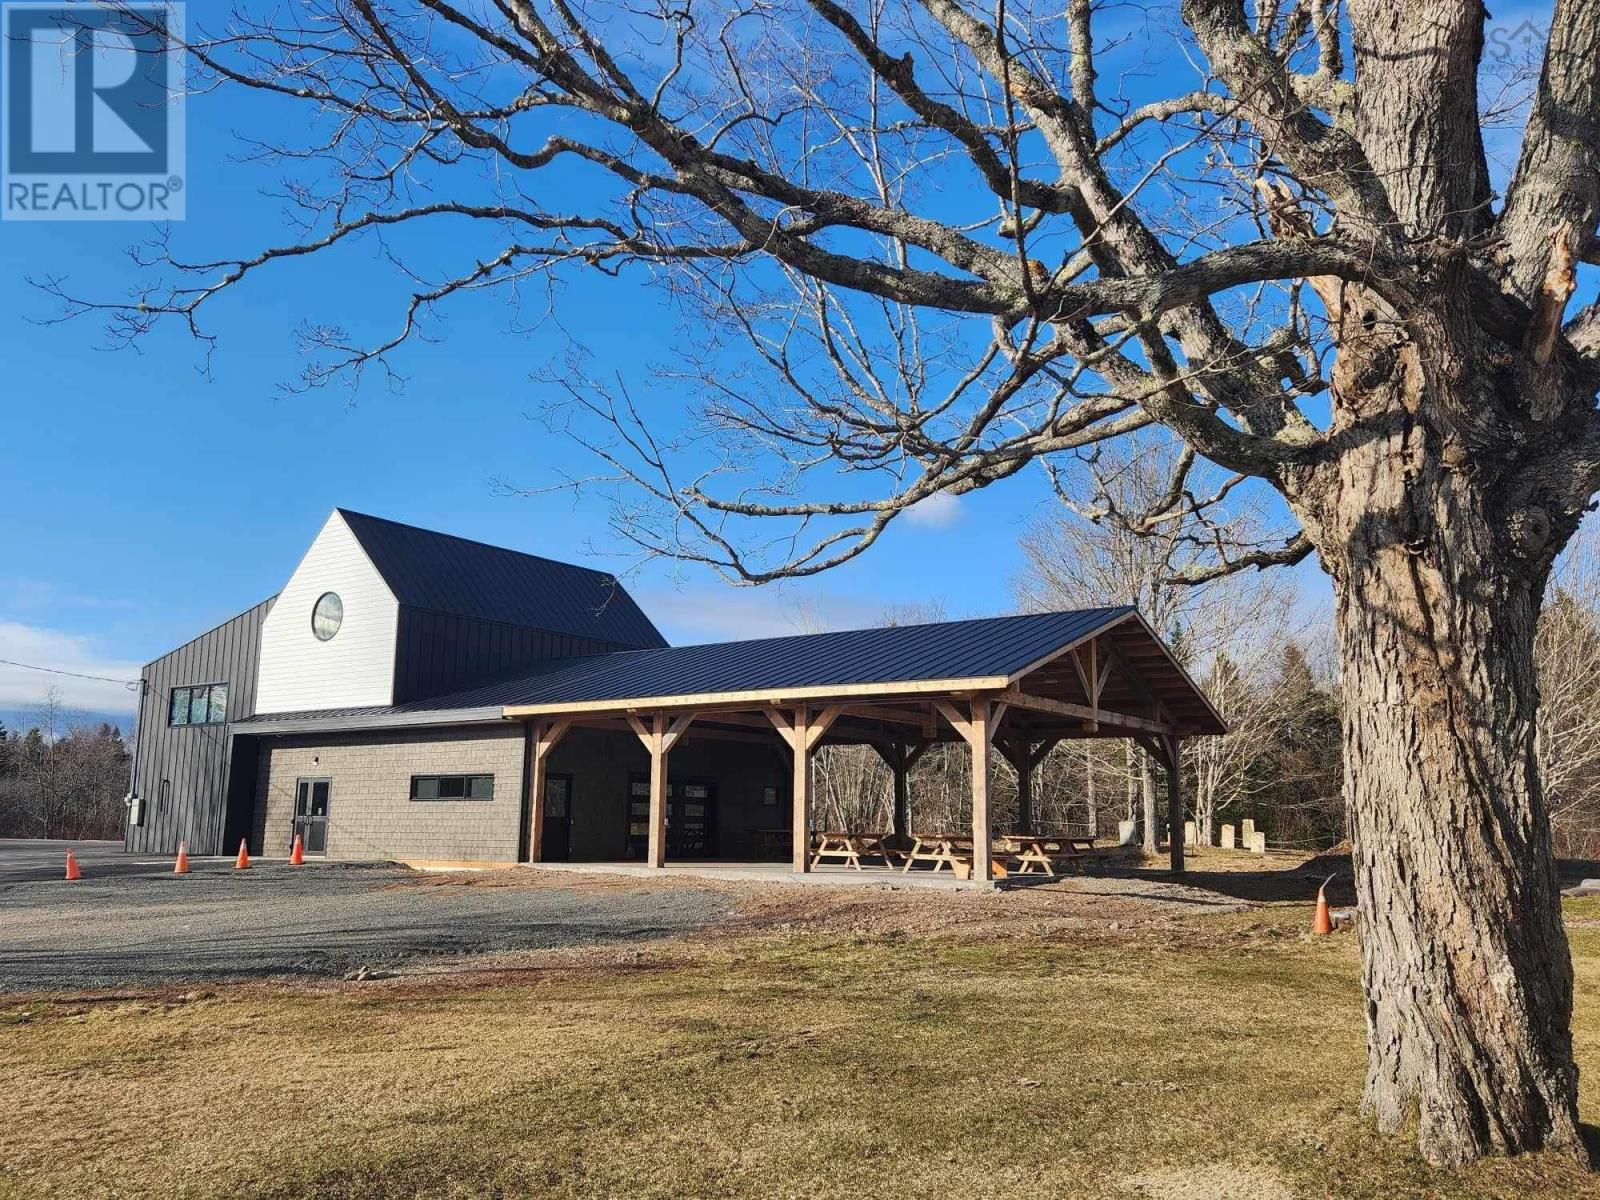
127, 683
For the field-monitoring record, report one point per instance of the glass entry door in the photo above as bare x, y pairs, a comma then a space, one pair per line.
692, 822
311, 815
691, 818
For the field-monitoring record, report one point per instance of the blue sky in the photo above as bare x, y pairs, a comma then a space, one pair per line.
145, 501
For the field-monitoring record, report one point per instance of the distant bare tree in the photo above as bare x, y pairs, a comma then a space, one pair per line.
1121, 535
1567, 650
63, 778
1227, 769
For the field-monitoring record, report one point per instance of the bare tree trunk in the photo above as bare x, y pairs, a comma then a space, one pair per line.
1467, 971
1088, 790
1152, 830
1132, 804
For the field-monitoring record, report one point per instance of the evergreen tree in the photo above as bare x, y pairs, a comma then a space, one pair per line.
1305, 800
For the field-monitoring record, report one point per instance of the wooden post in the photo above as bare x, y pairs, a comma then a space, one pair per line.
659, 736
1174, 802
982, 833
1024, 765
544, 737
800, 843
656, 855
902, 795
1024, 755
802, 731
900, 758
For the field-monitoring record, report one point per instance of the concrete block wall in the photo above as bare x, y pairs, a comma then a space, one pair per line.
370, 812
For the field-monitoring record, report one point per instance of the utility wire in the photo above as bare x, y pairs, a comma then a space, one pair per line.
127, 683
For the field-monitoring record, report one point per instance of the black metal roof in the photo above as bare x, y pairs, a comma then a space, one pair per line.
982, 648
369, 716
448, 574
985, 648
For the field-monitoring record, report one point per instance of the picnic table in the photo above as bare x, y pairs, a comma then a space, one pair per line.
1038, 852
941, 849
772, 843
851, 848
1034, 853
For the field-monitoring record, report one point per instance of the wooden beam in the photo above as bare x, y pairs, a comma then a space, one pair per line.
546, 736
1063, 708
823, 693
676, 731
644, 732
1133, 678
820, 724
888, 714
702, 729
959, 723
1091, 677
783, 723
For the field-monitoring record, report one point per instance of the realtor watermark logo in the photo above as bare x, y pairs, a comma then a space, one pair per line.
91, 112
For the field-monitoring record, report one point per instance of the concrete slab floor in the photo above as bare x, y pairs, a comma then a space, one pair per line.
772, 872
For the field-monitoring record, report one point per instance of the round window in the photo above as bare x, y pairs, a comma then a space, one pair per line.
327, 616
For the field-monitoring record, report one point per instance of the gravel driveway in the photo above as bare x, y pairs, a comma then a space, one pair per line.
321, 919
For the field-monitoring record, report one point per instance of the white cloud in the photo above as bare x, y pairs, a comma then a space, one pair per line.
939, 511
23, 688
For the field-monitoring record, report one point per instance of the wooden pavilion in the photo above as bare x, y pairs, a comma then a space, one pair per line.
1012, 685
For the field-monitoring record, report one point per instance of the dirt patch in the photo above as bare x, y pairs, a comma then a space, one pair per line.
1210, 1181
1103, 904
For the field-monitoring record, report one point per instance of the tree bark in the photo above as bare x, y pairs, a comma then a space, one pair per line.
1152, 824
1465, 958
1088, 786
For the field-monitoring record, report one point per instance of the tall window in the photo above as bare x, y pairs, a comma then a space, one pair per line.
201, 704
452, 787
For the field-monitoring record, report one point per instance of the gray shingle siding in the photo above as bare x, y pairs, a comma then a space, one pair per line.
371, 815
370, 812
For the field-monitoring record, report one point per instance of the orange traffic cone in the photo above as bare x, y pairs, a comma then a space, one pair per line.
72, 867
1322, 923
243, 861
181, 867
297, 856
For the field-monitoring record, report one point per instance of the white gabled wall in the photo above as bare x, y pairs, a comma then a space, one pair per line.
354, 667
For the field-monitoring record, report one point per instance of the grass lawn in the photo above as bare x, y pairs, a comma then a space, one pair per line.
947, 1046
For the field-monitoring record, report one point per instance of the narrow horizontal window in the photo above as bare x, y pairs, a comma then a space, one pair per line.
198, 704
452, 787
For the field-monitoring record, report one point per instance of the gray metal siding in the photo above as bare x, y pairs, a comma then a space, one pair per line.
438, 572
194, 759
440, 652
